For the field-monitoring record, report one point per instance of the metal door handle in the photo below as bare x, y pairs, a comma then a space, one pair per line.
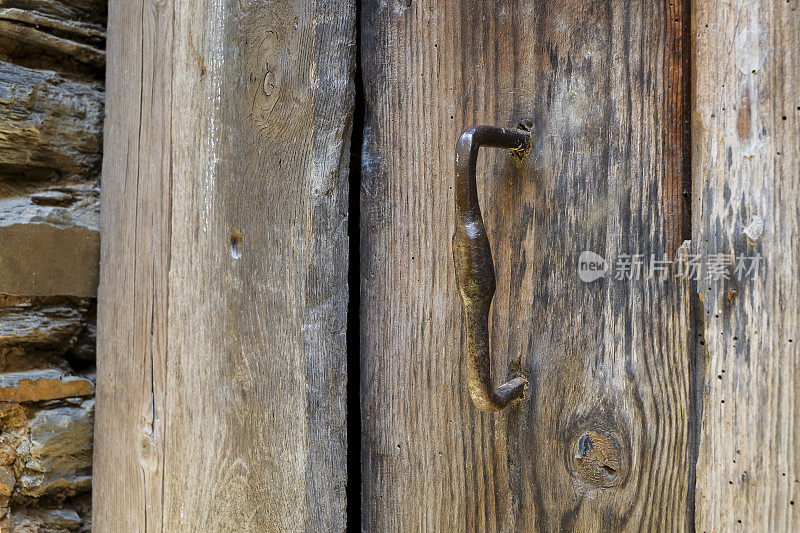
475, 267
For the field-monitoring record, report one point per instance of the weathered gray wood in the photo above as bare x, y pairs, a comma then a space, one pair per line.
746, 197
603, 439
222, 304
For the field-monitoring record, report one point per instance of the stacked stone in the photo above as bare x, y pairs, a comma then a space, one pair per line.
51, 111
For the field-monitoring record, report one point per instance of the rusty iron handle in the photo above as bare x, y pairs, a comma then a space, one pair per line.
475, 267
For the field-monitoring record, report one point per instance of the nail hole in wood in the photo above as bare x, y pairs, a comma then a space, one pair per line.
236, 243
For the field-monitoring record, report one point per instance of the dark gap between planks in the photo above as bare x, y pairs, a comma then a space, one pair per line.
353, 509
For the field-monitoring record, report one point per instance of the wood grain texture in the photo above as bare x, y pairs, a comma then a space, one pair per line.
746, 122
603, 439
223, 293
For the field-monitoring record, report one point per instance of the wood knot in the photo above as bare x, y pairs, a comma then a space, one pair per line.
597, 460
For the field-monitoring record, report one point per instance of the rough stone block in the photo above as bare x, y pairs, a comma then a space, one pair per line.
7, 481
49, 123
39, 385
47, 247
30, 326
59, 458
28, 520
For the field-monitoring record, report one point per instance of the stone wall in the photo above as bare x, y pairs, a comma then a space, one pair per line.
51, 110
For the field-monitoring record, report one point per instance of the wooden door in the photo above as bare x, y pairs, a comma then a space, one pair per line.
660, 395
604, 438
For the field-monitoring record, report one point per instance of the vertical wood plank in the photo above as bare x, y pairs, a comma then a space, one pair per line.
603, 438
223, 294
746, 123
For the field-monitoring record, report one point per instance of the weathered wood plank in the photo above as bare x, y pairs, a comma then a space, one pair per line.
223, 294
602, 440
746, 156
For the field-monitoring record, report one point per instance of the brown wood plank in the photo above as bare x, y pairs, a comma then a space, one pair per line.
223, 293
602, 440
746, 122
